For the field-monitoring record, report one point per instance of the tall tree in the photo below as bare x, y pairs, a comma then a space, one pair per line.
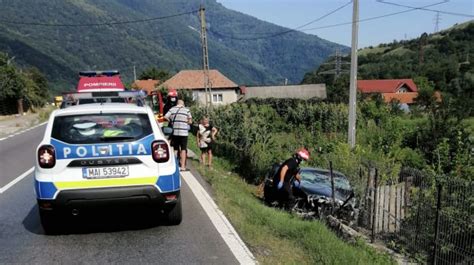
11, 83
37, 92
17, 85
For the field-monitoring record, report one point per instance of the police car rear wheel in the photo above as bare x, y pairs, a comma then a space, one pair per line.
49, 222
175, 215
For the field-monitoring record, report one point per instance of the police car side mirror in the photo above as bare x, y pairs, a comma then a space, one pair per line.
167, 130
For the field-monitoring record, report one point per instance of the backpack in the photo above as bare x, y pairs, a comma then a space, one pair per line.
274, 171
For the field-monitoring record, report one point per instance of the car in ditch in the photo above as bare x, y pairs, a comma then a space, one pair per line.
314, 195
100, 155
316, 188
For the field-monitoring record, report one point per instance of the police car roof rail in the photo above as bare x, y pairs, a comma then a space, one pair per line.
99, 73
74, 98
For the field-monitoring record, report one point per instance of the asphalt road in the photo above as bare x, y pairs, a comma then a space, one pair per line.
119, 238
17, 154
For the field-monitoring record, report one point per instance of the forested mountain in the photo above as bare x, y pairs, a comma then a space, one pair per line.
172, 43
444, 59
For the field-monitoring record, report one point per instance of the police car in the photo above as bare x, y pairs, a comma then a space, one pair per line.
99, 154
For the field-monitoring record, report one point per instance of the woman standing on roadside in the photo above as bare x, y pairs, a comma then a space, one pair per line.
206, 136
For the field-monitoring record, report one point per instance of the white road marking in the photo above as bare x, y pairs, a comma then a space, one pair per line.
23, 131
13, 182
220, 222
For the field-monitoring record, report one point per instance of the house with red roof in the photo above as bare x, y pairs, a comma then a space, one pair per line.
146, 85
401, 90
223, 90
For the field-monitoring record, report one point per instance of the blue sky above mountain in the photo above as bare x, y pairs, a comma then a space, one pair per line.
172, 43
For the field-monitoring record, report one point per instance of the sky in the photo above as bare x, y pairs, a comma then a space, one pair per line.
294, 13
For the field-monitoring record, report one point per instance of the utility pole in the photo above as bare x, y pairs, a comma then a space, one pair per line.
337, 66
437, 20
134, 73
353, 83
205, 58
422, 43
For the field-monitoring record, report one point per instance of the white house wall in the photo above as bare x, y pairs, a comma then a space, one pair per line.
289, 91
228, 96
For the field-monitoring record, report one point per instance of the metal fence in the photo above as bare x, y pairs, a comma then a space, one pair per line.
454, 229
427, 220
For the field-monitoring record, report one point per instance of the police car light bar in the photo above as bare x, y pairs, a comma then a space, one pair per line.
99, 73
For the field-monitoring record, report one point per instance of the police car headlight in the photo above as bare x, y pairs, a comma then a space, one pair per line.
46, 156
160, 151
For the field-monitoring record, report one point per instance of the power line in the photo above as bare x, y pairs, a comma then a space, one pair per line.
427, 9
334, 25
96, 24
271, 35
374, 18
321, 17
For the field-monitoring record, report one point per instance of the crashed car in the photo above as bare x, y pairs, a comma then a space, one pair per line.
314, 195
316, 187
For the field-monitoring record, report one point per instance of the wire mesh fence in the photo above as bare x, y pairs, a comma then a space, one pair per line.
430, 221
453, 243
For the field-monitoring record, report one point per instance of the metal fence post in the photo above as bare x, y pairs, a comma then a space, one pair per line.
332, 188
374, 214
368, 201
417, 224
436, 237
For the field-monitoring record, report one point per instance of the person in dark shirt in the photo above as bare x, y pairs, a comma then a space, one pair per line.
171, 100
287, 176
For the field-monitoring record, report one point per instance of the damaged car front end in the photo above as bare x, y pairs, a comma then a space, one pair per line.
314, 195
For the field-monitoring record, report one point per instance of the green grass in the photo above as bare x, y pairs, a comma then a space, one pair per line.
43, 114
377, 49
398, 51
275, 236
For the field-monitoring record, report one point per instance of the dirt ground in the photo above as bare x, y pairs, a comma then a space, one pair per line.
14, 123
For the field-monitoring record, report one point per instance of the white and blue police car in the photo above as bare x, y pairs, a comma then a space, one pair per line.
101, 154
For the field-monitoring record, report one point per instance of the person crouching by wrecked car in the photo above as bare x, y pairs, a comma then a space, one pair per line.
287, 176
181, 119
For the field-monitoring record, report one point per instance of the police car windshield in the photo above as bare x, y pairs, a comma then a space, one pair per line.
99, 128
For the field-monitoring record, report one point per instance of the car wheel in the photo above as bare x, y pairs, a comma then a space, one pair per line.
49, 222
175, 215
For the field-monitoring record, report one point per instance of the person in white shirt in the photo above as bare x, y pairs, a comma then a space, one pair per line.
206, 136
181, 119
